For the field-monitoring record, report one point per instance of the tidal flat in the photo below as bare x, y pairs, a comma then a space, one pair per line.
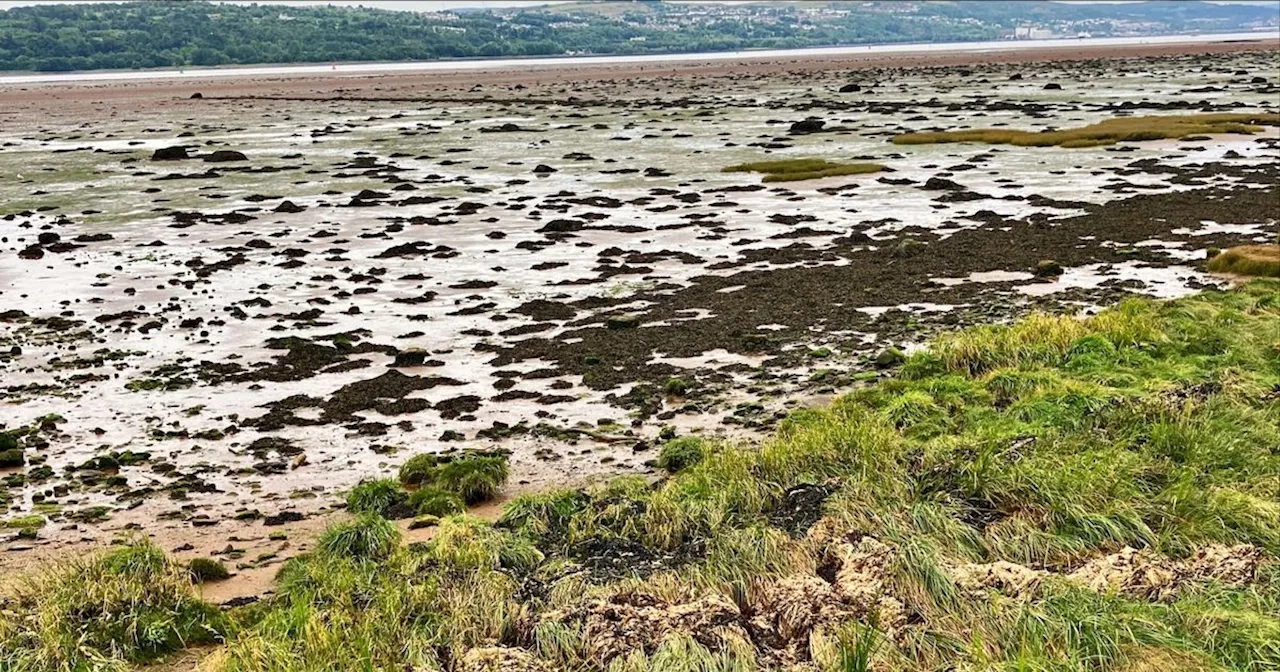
225, 310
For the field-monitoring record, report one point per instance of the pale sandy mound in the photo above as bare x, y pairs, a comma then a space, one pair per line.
501, 659
1009, 578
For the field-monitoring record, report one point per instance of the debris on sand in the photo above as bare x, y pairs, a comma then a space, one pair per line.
1006, 577
501, 659
630, 621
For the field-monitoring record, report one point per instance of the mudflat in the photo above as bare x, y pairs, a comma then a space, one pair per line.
219, 313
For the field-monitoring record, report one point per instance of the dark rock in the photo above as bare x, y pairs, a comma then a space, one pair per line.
282, 518
942, 184
225, 156
11, 458
890, 357
170, 154
32, 252
410, 357
807, 126
1048, 269
622, 322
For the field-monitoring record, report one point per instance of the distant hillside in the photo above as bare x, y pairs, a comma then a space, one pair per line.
56, 37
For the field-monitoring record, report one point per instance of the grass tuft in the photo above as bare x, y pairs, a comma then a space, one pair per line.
369, 536
474, 476
681, 453
128, 605
207, 569
378, 496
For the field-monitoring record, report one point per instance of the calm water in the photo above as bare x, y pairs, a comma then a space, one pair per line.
509, 63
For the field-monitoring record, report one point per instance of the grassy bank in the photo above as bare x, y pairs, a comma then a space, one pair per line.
1256, 260
1058, 494
1108, 132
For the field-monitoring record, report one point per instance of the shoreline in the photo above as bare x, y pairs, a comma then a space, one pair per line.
390, 83
486, 64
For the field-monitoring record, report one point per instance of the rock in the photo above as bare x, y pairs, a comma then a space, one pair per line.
1048, 268
369, 195
850, 88
809, 125
562, 226
503, 128
225, 156
31, 252
617, 322
197, 96
423, 521
48, 238
543, 169
941, 184
890, 357
11, 458
170, 154
282, 518
1015, 77
410, 357
1053, 86
288, 207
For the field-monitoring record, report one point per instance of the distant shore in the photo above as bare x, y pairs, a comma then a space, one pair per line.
544, 62
68, 95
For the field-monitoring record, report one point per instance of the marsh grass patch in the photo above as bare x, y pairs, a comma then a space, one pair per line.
1255, 260
1108, 132
795, 170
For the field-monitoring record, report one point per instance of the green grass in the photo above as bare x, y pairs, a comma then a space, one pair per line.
680, 453
432, 501
377, 496
1256, 260
475, 477
1110, 131
369, 536
127, 605
1047, 443
207, 569
794, 170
